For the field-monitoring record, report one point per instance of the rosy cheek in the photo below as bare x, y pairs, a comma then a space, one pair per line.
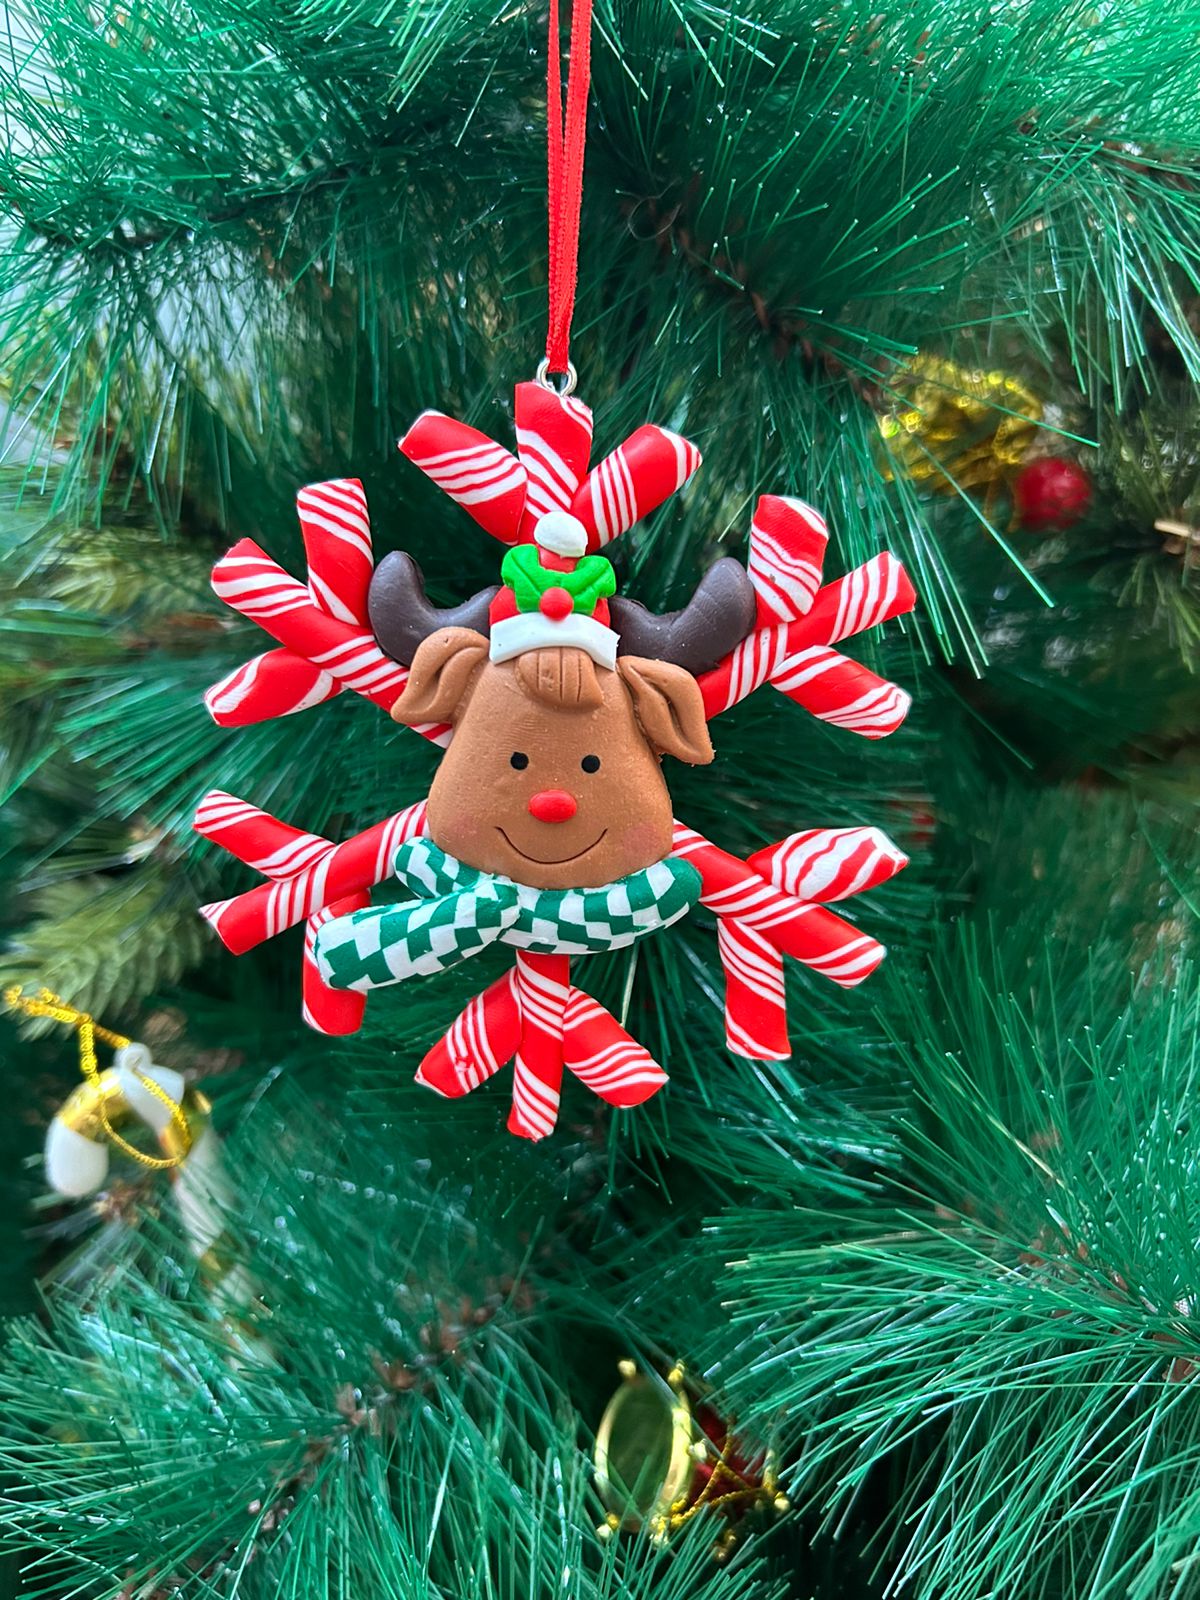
470, 828
642, 840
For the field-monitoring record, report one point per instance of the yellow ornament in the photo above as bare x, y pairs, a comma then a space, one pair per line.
663, 1455
133, 1089
957, 427
94, 1115
136, 1093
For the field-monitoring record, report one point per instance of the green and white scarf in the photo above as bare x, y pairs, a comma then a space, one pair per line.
462, 910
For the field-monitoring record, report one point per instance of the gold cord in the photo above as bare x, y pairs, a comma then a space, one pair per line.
744, 1491
47, 1004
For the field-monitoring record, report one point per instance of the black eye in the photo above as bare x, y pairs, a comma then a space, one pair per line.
590, 763
519, 760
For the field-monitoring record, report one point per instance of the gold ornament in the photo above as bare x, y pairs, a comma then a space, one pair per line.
957, 427
136, 1092
663, 1455
103, 1095
99, 1107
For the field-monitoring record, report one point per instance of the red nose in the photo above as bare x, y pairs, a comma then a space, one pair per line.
552, 805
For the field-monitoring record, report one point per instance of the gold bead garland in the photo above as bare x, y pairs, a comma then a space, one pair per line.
957, 427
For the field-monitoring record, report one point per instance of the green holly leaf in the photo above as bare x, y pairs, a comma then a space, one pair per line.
524, 574
593, 580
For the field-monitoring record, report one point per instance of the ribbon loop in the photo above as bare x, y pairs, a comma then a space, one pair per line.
565, 139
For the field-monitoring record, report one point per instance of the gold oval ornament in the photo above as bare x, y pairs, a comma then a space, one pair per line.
663, 1455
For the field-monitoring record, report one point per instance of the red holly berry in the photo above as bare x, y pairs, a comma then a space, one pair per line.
556, 603
1051, 492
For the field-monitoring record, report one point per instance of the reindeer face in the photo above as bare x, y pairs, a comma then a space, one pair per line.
556, 796
553, 777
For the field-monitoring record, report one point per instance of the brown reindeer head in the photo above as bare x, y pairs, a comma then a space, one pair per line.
553, 777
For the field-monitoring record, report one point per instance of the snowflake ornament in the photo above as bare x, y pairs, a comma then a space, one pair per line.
548, 826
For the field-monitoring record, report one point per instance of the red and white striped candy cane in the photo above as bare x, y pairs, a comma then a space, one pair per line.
821, 864
331, 873
478, 474
810, 934
787, 553
325, 1009
869, 595
337, 542
755, 992
796, 656
321, 645
495, 1027
507, 495
274, 684
755, 1000
482, 1039
825, 864
554, 443
639, 475
601, 1054
248, 580
306, 869
324, 627
274, 848
760, 919
842, 692
543, 985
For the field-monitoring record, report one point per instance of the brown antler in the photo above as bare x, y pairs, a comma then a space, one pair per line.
718, 616
401, 615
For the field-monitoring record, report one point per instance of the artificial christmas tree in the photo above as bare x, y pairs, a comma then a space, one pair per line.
938, 1265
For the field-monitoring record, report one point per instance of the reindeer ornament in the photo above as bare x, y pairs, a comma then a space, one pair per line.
548, 826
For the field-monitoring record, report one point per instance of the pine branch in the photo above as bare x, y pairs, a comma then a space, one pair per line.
1014, 1331
421, 1429
919, 180
103, 943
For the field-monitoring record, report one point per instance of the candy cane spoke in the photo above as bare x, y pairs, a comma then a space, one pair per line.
825, 864
478, 474
324, 1009
481, 1040
755, 1008
842, 692
543, 985
601, 1054
759, 921
639, 475
554, 441
787, 552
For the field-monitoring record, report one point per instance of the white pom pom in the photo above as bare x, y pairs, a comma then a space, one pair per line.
562, 533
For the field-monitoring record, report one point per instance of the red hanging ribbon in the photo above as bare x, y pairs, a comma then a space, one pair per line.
565, 142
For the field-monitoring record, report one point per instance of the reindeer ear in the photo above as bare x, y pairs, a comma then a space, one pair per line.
440, 676
669, 707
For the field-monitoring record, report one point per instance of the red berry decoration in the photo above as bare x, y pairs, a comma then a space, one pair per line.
1051, 492
556, 604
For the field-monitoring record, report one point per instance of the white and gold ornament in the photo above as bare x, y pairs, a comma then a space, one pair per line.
136, 1092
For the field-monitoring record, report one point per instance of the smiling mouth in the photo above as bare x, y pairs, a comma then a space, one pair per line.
553, 861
